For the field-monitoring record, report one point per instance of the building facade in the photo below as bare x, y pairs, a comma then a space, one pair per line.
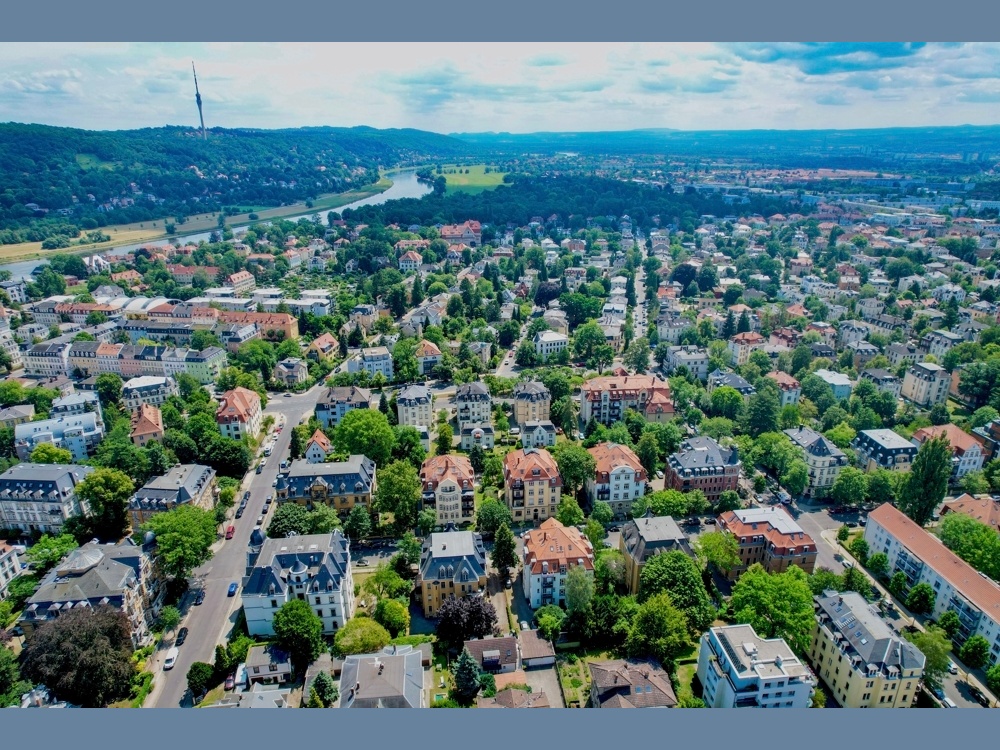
823, 459
883, 449
40, 497
926, 384
185, 484
337, 401
532, 484
643, 538
769, 536
619, 477
339, 485
532, 402
702, 464
239, 413
452, 566
148, 390
415, 406
473, 402
548, 554
448, 488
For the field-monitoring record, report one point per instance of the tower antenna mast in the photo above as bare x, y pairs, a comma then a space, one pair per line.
197, 98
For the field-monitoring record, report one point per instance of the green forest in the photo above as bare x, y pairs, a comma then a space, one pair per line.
57, 182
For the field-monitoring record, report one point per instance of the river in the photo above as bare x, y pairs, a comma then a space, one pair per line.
404, 185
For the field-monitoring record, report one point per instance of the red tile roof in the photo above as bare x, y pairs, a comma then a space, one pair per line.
558, 545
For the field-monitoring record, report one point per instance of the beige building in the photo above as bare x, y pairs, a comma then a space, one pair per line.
823, 458
643, 538
532, 402
147, 425
926, 384
862, 660
239, 413
549, 552
452, 566
415, 406
448, 488
532, 484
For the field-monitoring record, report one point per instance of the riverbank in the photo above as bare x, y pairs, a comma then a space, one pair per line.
126, 234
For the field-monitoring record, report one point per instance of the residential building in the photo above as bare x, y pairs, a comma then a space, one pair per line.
535, 650
922, 558
40, 497
850, 331
124, 576
147, 425
926, 384
274, 326
428, 356
48, 360
700, 463
477, 434
532, 484
315, 568
452, 566
862, 353
337, 401
323, 347
884, 380
242, 283
473, 403
739, 669
448, 488
339, 484
863, 661
789, 388
823, 459
393, 678
185, 484
467, 233
939, 343
742, 344
532, 402
148, 389
718, 378
966, 451
415, 406
77, 404
373, 360
899, 353
982, 508
82, 358
318, 448
883, 449
410, 261
839, 383
513, 697
605, 399
769, 536
291, 372
496, 655
643, 538
630, 684
79, 434
239, 413
17, 414
619, 477
267, 665
549, 552
535, 434
694, 358
549, 343
10, 566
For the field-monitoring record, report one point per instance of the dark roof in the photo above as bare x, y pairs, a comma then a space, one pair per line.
493, 653
699, 453
650, 535
323, 559
814, 443
356, 475
871, 641
631, 684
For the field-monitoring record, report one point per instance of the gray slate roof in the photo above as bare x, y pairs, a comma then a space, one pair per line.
871, 641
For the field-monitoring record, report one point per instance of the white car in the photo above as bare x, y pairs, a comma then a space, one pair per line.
171, 659
952, 668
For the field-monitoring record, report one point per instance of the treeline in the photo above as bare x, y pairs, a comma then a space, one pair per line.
47, 167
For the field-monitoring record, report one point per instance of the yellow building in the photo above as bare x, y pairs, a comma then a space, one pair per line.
532, 402
452, 566
864, 663
532, 484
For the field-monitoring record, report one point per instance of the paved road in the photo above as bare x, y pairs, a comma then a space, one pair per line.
210, 623
814, 521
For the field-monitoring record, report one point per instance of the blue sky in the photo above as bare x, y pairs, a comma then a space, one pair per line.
513, 87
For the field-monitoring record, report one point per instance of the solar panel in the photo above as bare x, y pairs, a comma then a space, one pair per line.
731, 653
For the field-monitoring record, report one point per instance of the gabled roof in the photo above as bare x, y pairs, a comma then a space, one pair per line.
320, 440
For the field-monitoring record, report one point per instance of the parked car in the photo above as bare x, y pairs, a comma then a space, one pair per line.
659, 474
288, 395
233, 588
182, 635
171, 659
978, 697
947, 702
524, 625
363, 561
246, 496
199, 598
710, 521
230, 531
260, 468
230, 681
239, 511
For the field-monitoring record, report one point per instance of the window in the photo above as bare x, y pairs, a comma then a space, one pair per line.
274, 604
318, 600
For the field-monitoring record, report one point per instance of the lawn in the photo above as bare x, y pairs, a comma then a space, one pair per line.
476, 181
574, 676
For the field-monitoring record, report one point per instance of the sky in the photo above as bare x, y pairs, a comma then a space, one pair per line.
509, 87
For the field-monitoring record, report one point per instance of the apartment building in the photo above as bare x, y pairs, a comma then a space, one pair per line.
339, 485
241, 282
700, 463
789, 389
883, 449
148, 389
482, 435
337, 401
532, 402
146, 425
863, 661
532, 484
548, 554
239, 413
448, 488
79, 434
452, 566
40, 497
885, 381
428, 356
374, 360
823, 459
718, 379
922, 558
694, 358
315, 568
739, 669
549, 343
742, 344
605, 399
926, 384
643, 538
619, 477
967, 453
769, 536
10, 566
839, 383
48, 360
538, 434
185, 484
473, 403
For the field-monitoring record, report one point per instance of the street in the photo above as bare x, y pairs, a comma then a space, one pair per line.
210, 623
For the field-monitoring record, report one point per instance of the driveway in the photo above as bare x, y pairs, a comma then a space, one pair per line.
546, 680
522, 611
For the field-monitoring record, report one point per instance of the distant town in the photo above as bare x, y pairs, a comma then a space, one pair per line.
629, 437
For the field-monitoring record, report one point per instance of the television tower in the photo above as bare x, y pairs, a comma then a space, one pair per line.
197, 98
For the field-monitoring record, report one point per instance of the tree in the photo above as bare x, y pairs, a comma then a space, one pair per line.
408, 446
935, 645
927, 482
881, 487
365, 432
602, 512
47, 453
361, 635
107, 493
859, 548
288, 520
184, 537
775, 604
950, 623
920, 599
325, 689
718, 548
795, 479
466, 674
648, 453
595, 532
462, 619
975, 542
897, 584
727, 402
49, 550
108, 386
442, 444
358, 524
636, 357
386, 583
843, 533
426, 521
504, 555
199, 677
579, 591
393, 615
609, 572
762, 413
491, 515
676, 574
84, 656
975, 652
549, 619
576, 466
170, 618
398, 493
587, 339
659, 630
569, 512
878, 564
477, 458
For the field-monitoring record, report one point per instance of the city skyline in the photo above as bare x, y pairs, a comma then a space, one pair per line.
513, 87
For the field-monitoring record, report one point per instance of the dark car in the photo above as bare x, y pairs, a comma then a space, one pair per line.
233, 588
260, 468
246, 496
199, 598
710, 521
182, 635
239, 511
851, 524
978, 697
